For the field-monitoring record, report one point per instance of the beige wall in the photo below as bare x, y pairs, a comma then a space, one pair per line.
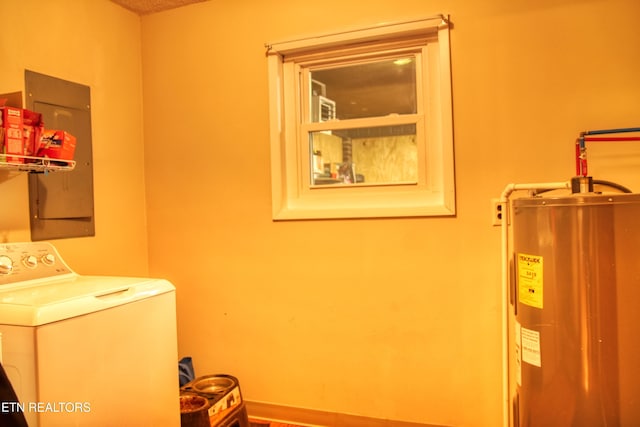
396, 318
94, 43
388, 318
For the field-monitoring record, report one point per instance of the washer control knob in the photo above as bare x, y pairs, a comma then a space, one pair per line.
48, 259
30, 261
6, 265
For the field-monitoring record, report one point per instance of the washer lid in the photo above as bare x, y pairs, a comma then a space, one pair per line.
61, 299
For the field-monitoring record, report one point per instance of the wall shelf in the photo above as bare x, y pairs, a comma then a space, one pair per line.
37, 164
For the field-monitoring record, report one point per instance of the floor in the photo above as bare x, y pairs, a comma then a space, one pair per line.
255, 422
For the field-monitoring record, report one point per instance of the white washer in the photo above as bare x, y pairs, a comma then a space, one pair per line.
86, 350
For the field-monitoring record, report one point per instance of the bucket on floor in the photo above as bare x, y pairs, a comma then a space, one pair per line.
226, 407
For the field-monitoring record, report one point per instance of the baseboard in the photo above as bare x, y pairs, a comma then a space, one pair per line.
315, 418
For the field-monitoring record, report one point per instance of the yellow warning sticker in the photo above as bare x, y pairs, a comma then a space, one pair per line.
530, 282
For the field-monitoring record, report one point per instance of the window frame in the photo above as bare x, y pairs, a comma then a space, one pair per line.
293, 195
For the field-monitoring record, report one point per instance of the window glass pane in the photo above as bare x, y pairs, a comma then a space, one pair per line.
373, 155
372, 89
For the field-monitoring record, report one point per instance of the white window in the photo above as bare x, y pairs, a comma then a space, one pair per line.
361, 123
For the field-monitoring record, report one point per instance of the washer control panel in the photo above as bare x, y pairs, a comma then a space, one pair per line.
20, 262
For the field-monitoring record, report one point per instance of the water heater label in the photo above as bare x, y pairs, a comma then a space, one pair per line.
530, 280
530, 347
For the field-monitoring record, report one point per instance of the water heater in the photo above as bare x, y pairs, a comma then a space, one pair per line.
575, 330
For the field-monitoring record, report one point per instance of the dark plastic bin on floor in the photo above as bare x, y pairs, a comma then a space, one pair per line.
226, 407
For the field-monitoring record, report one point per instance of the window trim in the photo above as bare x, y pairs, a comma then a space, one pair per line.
292, 195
